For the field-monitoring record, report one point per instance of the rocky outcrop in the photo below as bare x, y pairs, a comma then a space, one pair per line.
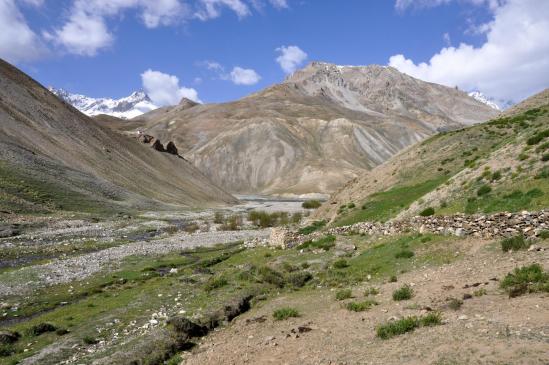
145, 138
499, 225
170, 148
157, 145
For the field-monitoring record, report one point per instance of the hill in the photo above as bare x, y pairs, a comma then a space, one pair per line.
322, 126
54, 157
496, 166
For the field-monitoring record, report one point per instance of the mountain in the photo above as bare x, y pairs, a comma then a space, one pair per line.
321, 127
54, 157
129, 107
501, 165
477, 95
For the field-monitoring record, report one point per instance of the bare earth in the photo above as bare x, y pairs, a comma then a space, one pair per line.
490, 329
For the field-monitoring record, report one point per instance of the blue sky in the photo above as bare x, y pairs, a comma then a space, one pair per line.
98, 51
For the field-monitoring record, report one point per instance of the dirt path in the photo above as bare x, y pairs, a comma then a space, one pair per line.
489, 329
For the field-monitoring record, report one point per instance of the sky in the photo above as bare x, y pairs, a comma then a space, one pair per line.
222, 50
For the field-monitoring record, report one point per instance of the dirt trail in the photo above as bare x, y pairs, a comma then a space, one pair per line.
489, 329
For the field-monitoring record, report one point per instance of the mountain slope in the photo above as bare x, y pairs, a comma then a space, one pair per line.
324, 125
54, 157
497, 166
129, 107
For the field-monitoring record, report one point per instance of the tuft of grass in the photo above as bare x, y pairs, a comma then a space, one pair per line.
360, 306
455, 304
215, 283
404, 254
480, 292
544, 234
271, 276
311, 204
371, 291
483, 190
408, 324
514, 243
285, 313
324, 243
427, 212
88, 340
340, 264
403, 293
344, 294
41, 328
526, 279
299, 279
393, 279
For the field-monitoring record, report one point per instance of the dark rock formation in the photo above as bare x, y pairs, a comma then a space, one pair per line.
170, 148
157, 145
145, 138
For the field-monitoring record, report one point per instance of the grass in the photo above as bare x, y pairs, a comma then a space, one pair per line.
514, 243
387, 204
340, 264
360, 306
344, 294
408, 324
324, 243
403, 293
427, 212
285, 313
313, 227
526, 279
404, 254
371, 291
311, 204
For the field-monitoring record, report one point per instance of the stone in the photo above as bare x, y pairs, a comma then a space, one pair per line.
157, 145
170, 148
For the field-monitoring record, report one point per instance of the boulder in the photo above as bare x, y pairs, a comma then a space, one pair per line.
145, 138
170, 148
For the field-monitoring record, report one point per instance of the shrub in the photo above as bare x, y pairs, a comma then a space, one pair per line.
299, 279
538, 137
9, 337
545, 157
427, 212
483, 190
40, 328
404, 254
455, 304
351, 205
403, 293
534, 193
526, 279
514, 243
311, 204
522, 157
271, 276
360, 306
496, 175
6, 350
296, 217
544, 234
480, 292
393, 279
285, 313
340, 264
215, 283
371, 291
344, 294
543, 173
315, 226
88, 340
232, 223
431, 319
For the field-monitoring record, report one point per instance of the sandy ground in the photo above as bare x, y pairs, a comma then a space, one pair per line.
490, 329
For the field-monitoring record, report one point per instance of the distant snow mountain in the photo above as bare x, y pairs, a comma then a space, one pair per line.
136, 104
477, 95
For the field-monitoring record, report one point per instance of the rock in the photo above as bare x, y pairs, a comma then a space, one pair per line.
145, 138
158, 146
8, 337
170, 148
463, 317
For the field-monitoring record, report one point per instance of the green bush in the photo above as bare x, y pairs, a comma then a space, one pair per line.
40, 328
215, 283
299, 279
344, 294
371, 291
483, 190
544, 234
527, 279
403, 293
404, 254
514, 243
351, 205
538, 137
393, 279
480, 292
545, 157
431, 319
360, 306
340, 264
285, 313
315, 226
271, 276
88, 340
496, 175
6, 350
311, 204
427, 212
408, 324
324, 243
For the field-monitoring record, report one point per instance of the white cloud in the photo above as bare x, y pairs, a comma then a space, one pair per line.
403, 5
164, 89
279, 4
86, 32
244, 76
512, 64
290, 58
447, 39
18, 42
209, 9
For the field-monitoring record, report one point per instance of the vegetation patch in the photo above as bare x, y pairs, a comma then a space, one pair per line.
360, 306
526, 279
514, 243
311, 204
427, 212
344, 294
313, 227
403, 293
285, 313
324, 243
408, 324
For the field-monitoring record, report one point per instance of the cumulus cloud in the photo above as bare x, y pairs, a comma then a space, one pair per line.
244, 76
512, 64
164, 89
403, 5
18, 42
290, 58
209, 9
280, 4
85, 32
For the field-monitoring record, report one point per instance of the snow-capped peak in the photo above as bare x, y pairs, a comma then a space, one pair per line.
477, 95
128, 107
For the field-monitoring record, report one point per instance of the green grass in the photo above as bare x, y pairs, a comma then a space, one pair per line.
313, 227
324, 243
344, 294
526, 279
408, 324
311, 204
427, 212
403, 293
360, 306
385, 205
514, 243
285, 313
404, 254
340, 264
